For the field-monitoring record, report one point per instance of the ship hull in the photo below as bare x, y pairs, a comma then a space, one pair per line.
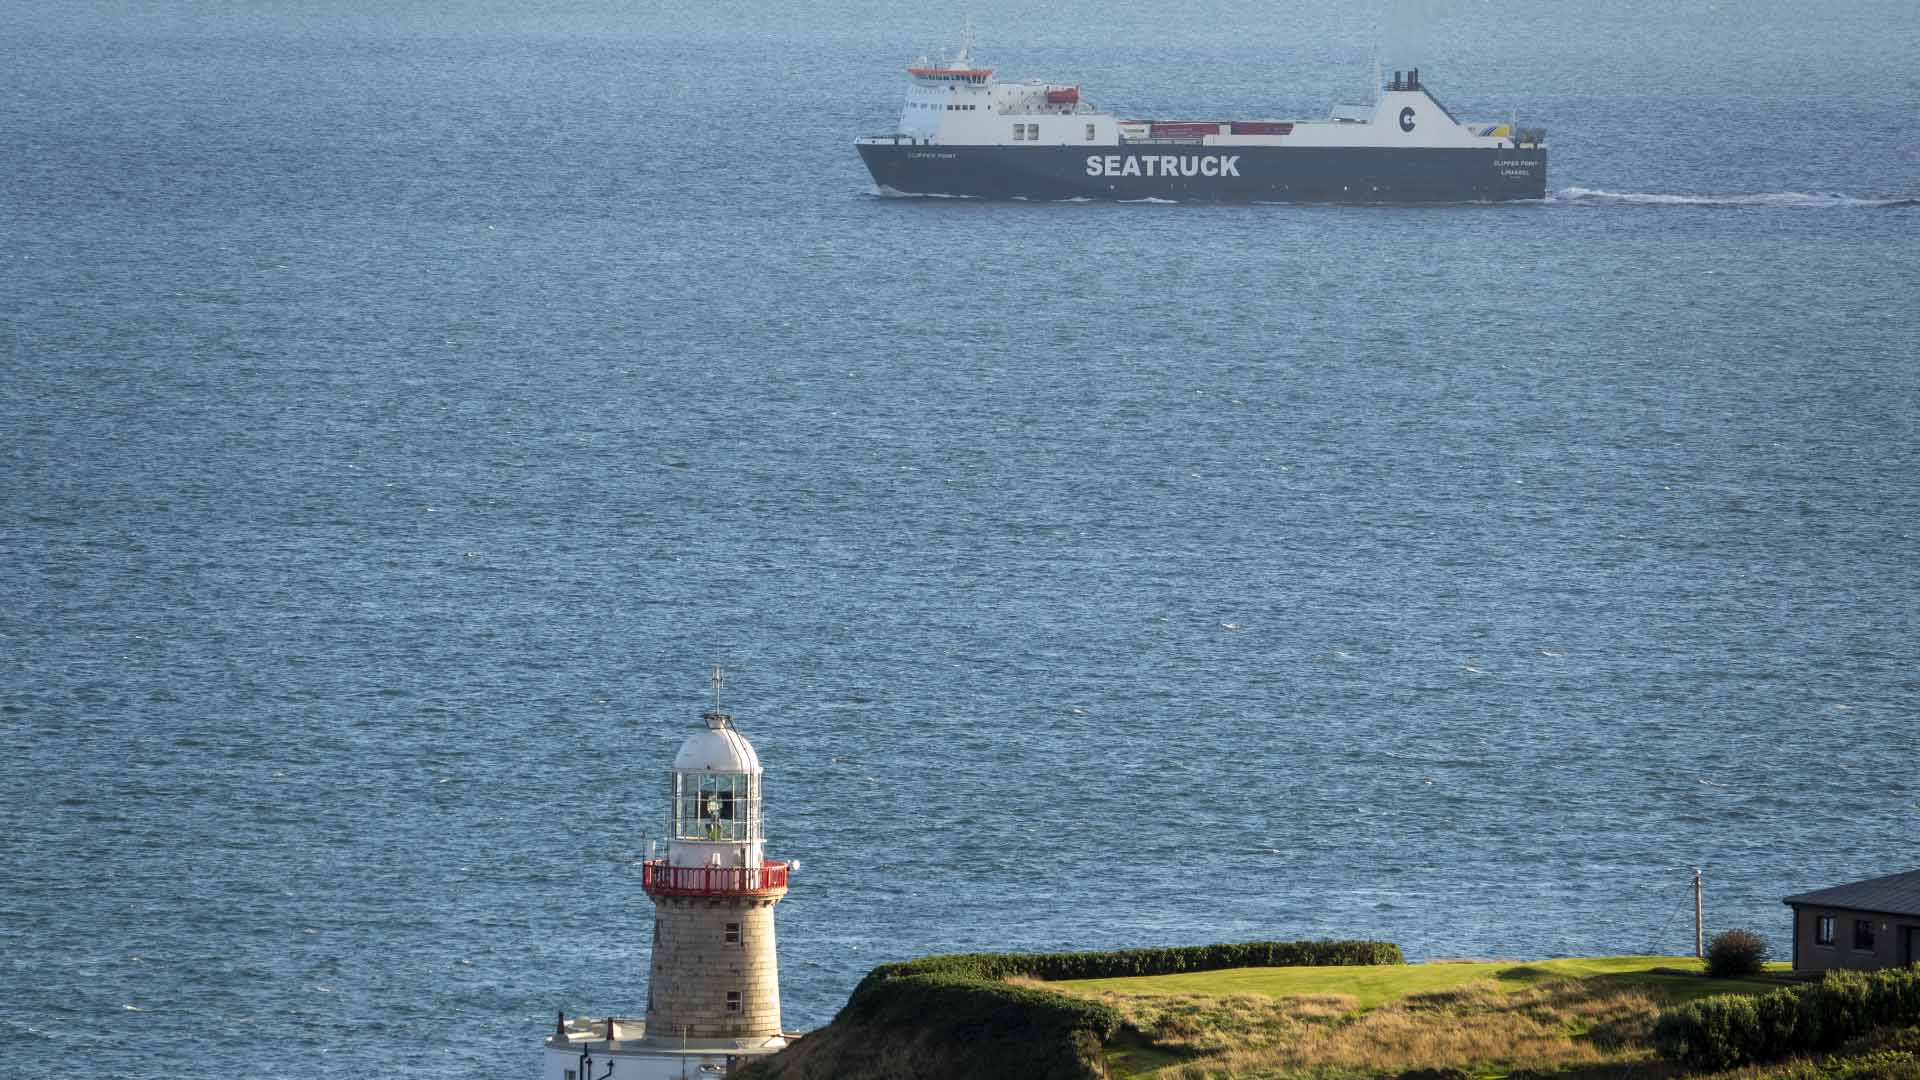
1199, 173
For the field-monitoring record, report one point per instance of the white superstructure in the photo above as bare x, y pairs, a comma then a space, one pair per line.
958, 103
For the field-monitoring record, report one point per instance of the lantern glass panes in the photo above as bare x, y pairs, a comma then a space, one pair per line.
716, 806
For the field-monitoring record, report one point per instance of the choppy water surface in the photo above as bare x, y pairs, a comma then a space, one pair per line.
400, 414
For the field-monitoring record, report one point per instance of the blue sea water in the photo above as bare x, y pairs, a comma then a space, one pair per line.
402, 409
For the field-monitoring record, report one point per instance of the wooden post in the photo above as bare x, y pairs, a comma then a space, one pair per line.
1698, 927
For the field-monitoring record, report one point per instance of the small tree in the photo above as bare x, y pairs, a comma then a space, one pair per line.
1735, 952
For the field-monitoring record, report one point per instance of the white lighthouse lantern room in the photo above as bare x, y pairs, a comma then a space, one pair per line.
713, 988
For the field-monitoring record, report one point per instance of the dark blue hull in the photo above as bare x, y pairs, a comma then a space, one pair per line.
1196, 173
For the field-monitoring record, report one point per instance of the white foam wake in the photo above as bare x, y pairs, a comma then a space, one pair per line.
1781, 199
885, 192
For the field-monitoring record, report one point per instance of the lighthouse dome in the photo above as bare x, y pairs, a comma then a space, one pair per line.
717, 749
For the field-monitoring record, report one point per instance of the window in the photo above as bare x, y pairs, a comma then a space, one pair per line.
1823, 930
568, 1074
733, 933
1019, 133
1089, 132
716, 806
733, 1001
1033, 132
1863, 933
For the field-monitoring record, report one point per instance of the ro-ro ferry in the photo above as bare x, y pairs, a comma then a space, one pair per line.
964, 133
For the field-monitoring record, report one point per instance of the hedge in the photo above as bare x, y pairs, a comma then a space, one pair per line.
1727, 1031
1054, 967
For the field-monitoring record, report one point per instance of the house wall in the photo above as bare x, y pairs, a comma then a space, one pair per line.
1890, 939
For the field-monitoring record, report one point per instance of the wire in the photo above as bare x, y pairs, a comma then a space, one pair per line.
1677, 909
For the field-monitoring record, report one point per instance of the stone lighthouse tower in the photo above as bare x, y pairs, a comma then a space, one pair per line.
714, 974
713, 991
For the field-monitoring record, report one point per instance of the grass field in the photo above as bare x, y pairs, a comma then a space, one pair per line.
1371, 986
1587, 1016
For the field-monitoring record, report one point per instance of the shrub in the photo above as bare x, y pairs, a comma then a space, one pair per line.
1837, 1008
1780, 1026
1725, 1031
1736, 952
1730, 1027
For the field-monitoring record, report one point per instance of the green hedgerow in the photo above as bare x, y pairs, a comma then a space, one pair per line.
1730, 1030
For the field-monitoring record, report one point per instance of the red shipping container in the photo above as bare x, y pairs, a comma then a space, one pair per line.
1184, 130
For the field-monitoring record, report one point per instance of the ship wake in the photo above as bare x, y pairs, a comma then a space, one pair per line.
882, 191
1797, 200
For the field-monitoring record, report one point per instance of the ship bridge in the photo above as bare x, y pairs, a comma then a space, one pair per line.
957, 102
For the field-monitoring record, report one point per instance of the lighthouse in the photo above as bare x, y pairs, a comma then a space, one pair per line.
713, 987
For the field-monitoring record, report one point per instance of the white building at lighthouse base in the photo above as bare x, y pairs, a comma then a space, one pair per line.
580, 1049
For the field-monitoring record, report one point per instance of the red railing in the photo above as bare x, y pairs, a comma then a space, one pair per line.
659, 878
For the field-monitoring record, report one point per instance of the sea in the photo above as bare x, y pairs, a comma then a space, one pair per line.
403, 408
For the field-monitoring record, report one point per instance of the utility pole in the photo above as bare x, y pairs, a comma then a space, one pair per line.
1698, 923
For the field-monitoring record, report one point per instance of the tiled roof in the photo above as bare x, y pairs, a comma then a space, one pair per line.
1895, 894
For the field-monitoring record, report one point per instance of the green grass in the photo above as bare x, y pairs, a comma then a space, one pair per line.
1132, 1056
1374, 986
1585, 1016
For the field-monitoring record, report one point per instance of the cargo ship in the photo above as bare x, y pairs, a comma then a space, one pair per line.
964, 133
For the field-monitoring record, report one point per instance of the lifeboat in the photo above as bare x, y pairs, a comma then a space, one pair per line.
1063, 95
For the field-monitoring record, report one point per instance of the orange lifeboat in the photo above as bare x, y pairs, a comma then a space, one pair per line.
1063, 95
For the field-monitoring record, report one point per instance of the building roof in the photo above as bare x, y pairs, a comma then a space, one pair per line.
1895, 894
